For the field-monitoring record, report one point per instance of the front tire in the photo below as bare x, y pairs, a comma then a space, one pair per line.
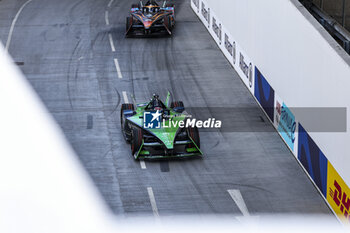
168, 23
124, 126
136, 141
128, 24
173, 16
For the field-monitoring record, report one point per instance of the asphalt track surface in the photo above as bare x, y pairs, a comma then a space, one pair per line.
63, 48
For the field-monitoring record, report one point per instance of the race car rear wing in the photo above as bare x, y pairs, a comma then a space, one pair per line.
164, 3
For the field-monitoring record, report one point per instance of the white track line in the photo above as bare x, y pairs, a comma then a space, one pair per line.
13, 25
106, 18
153, 202
110, 3
143, 164
238, 199
125, 96
126, 100
116, 63
111, 42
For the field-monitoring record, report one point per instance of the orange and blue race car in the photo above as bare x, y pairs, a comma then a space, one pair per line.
150, 18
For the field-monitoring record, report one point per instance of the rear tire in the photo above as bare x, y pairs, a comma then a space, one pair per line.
177, 104
125, 127
194, 134
136, 140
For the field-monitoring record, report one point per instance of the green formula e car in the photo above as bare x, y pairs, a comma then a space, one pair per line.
158, 130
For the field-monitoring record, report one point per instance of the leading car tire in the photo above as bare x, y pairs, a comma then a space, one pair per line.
136, 140
125, 127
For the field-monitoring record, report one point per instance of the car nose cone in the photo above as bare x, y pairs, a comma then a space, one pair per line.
147, 24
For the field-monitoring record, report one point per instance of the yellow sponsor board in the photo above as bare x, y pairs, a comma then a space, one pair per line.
338, 194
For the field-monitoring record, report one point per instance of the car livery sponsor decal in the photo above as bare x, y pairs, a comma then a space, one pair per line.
338, 194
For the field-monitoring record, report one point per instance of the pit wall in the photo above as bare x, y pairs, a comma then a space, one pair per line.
287, 62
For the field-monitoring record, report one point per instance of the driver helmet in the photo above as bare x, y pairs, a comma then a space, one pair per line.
156, 104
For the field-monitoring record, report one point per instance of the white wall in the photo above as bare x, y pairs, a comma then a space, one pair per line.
304, 66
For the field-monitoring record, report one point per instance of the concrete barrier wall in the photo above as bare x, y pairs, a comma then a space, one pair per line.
290, 64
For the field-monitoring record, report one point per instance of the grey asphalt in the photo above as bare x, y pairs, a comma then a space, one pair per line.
68, 60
